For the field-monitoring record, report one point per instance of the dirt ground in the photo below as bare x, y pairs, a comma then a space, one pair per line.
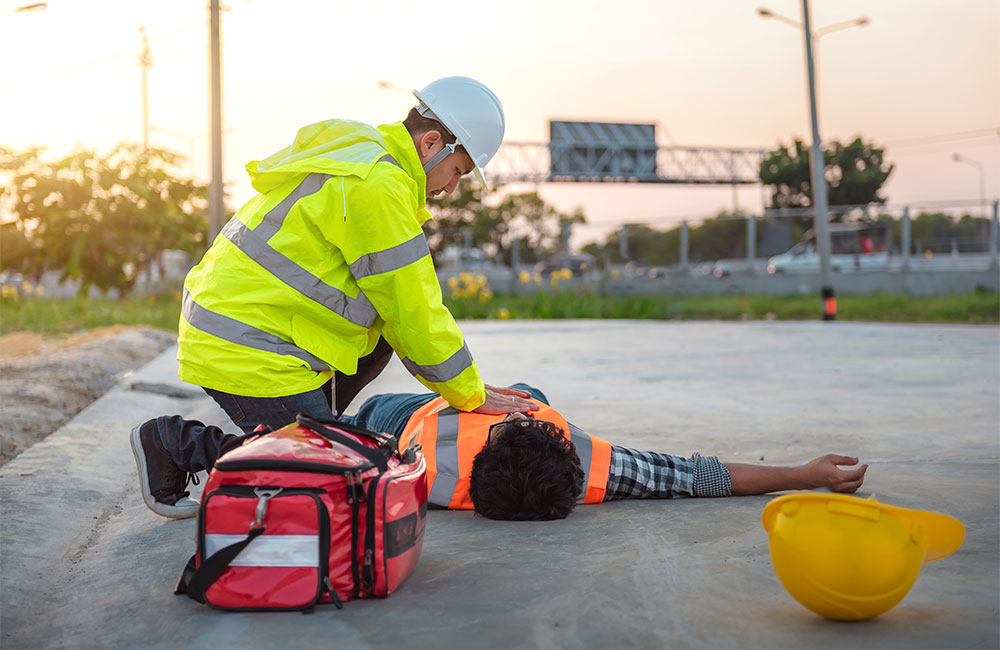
45, 381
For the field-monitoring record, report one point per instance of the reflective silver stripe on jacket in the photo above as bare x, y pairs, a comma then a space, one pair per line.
446, 453
585, 450
391, 259
253, 243
232, 330
357, 310
275, 217
444, 371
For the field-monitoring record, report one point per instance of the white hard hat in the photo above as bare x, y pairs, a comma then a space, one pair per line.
471, 112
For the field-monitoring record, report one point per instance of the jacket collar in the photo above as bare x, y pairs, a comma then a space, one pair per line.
399, 144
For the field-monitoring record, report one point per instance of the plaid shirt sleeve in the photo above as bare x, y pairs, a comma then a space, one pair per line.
648, 475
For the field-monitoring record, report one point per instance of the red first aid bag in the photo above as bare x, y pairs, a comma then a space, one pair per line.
318, 511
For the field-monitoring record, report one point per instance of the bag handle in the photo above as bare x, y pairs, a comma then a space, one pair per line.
378, 457
377, 436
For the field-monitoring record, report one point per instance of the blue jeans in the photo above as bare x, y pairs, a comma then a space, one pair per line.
390, 413
195, 447
250, 412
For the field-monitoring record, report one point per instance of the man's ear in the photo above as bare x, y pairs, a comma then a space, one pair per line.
427, 144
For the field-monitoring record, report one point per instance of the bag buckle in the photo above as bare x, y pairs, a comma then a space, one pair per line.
410, 454
355, 492
263, 495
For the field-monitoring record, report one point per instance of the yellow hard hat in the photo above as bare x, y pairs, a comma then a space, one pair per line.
850, 558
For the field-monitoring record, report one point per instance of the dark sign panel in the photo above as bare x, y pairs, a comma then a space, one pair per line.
601, 151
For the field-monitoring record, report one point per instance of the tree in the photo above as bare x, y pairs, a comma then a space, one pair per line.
719, 238
495, 223
100, 220
723, 236
454, 214
854, 174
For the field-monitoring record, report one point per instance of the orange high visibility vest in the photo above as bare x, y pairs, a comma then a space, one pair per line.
451, 439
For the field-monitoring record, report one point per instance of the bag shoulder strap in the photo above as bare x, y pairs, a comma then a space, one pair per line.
195, 581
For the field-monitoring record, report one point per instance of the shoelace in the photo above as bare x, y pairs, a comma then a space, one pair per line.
192, 478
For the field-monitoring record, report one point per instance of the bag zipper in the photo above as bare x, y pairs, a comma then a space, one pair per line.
355, 497
289, 465
370, 531
368, 572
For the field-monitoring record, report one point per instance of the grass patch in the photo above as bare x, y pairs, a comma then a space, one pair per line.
977, 307
65, 316
69, 315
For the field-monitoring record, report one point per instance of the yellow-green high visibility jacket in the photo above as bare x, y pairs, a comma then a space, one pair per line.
328, 256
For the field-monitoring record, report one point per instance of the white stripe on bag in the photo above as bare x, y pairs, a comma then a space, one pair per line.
269, 550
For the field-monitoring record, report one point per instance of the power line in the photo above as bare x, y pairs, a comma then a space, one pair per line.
932, 148
946, 137
131, 50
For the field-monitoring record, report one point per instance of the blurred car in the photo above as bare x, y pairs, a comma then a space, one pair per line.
472, 259
854, 247
578, 264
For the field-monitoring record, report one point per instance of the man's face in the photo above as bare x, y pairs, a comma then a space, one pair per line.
500, 428
446, 174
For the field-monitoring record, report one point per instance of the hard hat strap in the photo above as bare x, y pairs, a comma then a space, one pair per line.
439, 156
425, 111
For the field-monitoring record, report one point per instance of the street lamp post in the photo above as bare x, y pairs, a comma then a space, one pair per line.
216, 195
982, 176
817, 165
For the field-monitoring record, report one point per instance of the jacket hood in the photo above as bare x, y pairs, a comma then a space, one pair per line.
319, 147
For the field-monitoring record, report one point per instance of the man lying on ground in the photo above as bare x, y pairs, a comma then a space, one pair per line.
514, 466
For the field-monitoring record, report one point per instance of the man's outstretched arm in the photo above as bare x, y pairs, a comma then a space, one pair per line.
822, 472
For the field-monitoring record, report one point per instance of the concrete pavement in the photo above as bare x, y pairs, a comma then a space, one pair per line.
85, 564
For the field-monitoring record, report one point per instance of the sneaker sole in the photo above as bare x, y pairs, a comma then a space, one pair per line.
184, 511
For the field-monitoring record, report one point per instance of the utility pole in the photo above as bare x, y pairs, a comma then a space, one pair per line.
145, 62
817, 163
216, 198
818, 166
565, 228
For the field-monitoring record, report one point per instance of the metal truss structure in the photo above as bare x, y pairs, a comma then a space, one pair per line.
605, 162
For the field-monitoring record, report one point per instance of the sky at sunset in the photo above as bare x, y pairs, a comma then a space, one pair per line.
923, 80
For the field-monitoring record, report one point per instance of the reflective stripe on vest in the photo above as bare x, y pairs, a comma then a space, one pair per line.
442, 372
232, 330
451, 439
443, 488
268, 550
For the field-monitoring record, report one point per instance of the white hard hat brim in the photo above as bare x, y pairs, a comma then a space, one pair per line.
482, 179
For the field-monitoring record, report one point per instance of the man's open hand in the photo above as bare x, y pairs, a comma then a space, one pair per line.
505, 400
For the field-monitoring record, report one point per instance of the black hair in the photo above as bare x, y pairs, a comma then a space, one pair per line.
528, 472
417, 125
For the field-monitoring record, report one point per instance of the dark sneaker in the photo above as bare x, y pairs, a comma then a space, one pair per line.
162, 482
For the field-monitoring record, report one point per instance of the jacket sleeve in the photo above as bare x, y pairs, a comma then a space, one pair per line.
384, 244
